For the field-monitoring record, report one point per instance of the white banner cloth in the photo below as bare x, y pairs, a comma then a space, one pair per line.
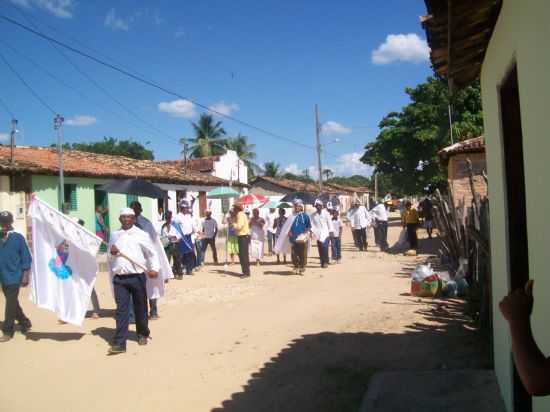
64, 263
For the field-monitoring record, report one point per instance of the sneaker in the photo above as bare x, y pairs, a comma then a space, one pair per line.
116, 349
142, 340
153, 316
25, 328
6, 338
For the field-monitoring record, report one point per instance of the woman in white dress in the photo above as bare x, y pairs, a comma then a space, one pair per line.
257, 236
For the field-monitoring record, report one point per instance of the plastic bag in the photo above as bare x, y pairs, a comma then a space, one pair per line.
421, 272
402, 241
429, 287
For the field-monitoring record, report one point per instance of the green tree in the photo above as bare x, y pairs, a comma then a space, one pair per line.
328, 173
115, 147
271, 169
209, 137
245, 151
299, 178
354, 181
405, 150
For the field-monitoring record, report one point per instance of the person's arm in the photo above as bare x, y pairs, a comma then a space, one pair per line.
150, 254
26, 261
533, 367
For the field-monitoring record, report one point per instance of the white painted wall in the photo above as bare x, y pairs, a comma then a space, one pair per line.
13, 202
231, 167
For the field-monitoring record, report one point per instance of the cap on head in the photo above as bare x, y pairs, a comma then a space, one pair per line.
184, 204
318, 202
127, 211
6, 218
298, 202
330, 206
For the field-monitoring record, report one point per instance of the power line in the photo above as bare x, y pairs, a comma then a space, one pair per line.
27, 85
91, 80
152, 84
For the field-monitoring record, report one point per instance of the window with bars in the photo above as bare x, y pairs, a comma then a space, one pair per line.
70, 201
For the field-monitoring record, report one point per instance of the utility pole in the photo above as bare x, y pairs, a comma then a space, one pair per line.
185, 149
318, 147
12, 139
58, 126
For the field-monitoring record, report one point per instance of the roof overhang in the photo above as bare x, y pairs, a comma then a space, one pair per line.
458, 33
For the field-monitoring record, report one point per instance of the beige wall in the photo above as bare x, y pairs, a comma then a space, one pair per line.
459, 177
15, 203
521, 35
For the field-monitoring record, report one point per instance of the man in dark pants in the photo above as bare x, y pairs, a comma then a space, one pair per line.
129, 278
210, 230
15, 263
242, 230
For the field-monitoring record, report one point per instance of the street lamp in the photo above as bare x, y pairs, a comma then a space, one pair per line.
58, 126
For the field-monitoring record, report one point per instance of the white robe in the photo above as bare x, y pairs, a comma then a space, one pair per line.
283, 244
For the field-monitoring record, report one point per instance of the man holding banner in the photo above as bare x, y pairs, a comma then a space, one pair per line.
15, 262
133, 258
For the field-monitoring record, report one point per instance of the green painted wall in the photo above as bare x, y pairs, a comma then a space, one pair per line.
521, 35
46, 188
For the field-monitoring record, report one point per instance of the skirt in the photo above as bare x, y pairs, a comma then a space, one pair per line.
256, 249
232, 245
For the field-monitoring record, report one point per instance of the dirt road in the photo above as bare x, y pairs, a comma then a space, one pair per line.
274, 342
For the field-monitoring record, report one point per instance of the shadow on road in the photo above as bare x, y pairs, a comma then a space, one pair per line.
330, 371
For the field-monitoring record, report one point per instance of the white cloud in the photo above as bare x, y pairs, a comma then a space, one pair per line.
4, 137
178, 108
116, 23
81, 120
349, 164
401, 47
293, 168
59, 8
224, 108
332, 127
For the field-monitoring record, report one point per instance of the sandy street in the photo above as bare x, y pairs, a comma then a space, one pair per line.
275, 342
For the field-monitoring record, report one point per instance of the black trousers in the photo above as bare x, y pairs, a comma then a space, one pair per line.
212, 242
382, 230
173, 253
244, 242
125, 286
13, 310
322, 247
411, 235
360, 236
299, 258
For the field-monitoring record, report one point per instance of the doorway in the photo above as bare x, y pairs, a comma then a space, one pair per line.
518, 248
102, 199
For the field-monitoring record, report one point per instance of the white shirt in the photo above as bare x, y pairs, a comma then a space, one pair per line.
270, 221
337, 225
359, 217
209, 227
380, 212
170, 231
186, 223
137, 245
321, 224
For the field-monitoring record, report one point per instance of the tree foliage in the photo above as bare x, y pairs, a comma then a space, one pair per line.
354, 181
405, 150
209, 137
244, 150
115, 147
272, 169
300, 178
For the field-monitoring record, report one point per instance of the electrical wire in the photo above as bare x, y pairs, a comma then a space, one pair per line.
153, 84
27, 85
94, 82
6, 108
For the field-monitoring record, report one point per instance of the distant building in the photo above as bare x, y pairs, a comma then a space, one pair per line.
277, 187
455, 158
35, 170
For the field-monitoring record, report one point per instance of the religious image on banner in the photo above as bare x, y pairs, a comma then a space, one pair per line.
64, 263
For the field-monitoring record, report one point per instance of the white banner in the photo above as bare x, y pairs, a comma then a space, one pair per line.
64, 263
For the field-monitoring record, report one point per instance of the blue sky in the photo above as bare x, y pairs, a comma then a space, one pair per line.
263, 62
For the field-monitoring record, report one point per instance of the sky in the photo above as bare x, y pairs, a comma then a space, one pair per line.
265, 63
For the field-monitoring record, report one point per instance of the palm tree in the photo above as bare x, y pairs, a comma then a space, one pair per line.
328, 173
209, 137
272, 169
244, 150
